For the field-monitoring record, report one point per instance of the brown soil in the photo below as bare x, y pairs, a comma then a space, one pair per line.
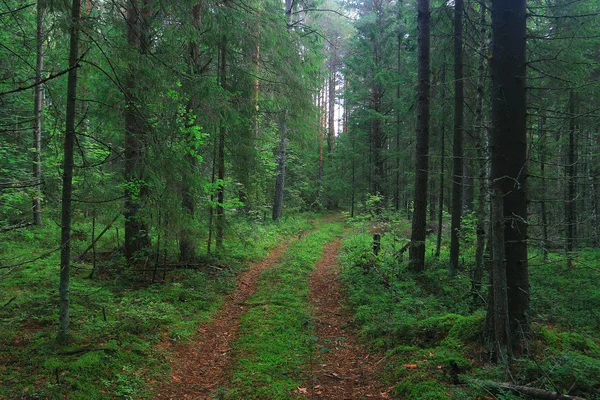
346, 370
201, 366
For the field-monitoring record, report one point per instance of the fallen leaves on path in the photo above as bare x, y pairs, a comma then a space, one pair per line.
345, 370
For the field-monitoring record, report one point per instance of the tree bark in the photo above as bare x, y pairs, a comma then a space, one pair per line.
220, 209
38, 104
442, 165
67, 189
136, 229
417, 248
509, 152
498, 318
482, 142
570, 203
280, 178
457, 160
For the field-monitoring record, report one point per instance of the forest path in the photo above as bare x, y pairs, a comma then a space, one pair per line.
198, 367
342, 368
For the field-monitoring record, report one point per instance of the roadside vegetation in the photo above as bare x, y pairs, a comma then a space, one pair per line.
119, 315
432, 330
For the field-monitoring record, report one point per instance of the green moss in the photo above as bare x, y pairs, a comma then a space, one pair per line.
418, 386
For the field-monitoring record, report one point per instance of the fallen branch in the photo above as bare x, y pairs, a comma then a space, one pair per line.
523, 390
79, 257
13, 227
85, 350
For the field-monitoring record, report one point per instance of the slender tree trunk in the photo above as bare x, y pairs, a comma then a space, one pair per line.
331, 105
398, 126
38, 104
543, 208
417, 248
67, 189
457, 170
442, 164
482, 143
280, 178
509, 154
211, 211
220, 209
570, 203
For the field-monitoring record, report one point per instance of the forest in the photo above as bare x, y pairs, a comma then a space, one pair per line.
300, 199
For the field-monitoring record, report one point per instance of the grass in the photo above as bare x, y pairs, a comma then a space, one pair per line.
118, 317
433, 337
276, 333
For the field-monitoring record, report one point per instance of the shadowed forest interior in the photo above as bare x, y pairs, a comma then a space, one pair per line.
323, 199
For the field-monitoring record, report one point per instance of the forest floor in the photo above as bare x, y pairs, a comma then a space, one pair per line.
345, 370
200, 366
339, 367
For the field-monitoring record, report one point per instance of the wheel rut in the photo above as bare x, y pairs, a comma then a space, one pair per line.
341, 368
201, 366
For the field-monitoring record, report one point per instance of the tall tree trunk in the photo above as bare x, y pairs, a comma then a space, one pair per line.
220, 209
543, 208
331, 105
457, 170
398, 133
482, 144
417, 248
136, 229
67, 189
38, 104
509, 153
187, 242
280, 178
570, 203
438, 245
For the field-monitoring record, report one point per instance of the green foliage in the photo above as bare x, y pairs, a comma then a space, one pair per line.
117, 318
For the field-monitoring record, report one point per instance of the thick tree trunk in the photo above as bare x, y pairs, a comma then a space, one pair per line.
187, 242
509, 153
67, 189
280, 178
38, 104
498, 317
417, 248
457, 160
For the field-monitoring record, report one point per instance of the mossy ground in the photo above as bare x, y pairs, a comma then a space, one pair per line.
117, 318
276, 333
432, 332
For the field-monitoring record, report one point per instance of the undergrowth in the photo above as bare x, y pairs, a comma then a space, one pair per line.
433, 334
275, 334
117, 317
